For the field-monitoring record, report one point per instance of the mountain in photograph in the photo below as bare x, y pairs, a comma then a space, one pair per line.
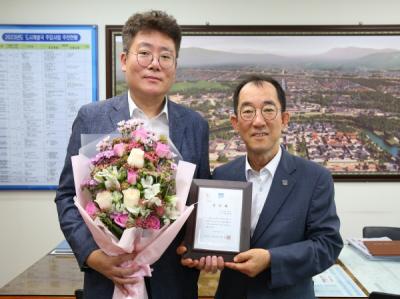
196, 57
350, 53
345, 58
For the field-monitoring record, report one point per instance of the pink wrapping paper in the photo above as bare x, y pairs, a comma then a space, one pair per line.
149, 244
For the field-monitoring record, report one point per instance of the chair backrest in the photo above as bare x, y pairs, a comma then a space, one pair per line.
379, 295
381, 231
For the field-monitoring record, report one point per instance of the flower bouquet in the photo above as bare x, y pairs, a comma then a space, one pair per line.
132, 197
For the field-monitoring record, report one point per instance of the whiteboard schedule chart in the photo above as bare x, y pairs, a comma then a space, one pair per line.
46, 74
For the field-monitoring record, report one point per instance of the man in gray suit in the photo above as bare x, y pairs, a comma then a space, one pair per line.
294, 225
151, 43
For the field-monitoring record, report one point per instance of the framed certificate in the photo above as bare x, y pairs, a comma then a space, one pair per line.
220, 223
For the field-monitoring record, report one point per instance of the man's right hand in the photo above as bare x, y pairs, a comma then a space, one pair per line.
207, 264
110, 267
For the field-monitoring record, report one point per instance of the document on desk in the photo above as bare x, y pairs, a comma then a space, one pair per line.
358, 243
335, 282
374, 275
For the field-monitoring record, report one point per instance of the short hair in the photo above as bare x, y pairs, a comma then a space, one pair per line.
151, 20
258, 80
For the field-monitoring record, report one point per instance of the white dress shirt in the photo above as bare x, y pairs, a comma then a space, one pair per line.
157, 124
262, 181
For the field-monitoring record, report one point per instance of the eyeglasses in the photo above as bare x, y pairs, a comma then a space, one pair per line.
145, 58
268, 112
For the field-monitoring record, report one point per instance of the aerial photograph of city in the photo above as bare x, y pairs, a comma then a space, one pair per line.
343, 95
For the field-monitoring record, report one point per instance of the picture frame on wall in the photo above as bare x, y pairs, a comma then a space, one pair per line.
342, 85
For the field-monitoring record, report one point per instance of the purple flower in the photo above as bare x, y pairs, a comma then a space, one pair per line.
103, 155
89, 183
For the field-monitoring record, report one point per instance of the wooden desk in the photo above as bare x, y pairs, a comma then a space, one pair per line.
52, 276
59, 276
375, 275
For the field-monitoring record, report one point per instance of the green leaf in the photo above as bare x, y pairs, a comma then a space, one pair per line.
114, 228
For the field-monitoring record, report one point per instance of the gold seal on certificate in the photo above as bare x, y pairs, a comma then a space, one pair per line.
220, 223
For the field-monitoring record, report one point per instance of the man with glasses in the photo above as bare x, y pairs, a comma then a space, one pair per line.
151, 43
294, 225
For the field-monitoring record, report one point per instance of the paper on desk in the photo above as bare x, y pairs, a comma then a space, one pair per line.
380, 275
335, 282
62, 249
358, 243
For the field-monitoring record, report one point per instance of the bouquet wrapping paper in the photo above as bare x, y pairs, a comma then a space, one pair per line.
148, 244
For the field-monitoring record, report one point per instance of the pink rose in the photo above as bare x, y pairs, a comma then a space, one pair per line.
152, 222
91, 209
139, 222
160, 211
121, 219
140, 134
132, 177
119, 149
162, 150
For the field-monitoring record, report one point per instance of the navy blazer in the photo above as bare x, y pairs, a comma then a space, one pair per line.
189, 132
298, 225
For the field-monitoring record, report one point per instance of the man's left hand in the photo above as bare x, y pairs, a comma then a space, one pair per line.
251, 262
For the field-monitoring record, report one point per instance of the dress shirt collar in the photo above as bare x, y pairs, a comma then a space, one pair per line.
269, 168
133, 108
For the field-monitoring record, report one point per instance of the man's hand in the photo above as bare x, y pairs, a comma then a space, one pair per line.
207, 264
251, 262
110, 267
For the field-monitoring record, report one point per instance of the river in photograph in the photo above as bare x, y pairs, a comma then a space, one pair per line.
393, 150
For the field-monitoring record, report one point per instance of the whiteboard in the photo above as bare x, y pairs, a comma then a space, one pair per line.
46, 74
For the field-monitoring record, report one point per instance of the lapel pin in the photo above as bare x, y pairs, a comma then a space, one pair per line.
285, 182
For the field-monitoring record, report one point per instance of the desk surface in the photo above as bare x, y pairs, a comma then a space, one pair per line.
52, 275
59, 275
373, 274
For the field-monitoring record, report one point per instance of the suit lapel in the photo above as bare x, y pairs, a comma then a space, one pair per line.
238, 172
120, 110
281, 187
176, 125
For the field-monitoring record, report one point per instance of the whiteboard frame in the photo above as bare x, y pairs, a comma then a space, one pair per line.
93, 29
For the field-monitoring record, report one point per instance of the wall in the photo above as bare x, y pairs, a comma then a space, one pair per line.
28, 222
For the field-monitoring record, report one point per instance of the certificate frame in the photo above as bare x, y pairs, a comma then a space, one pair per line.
243, 229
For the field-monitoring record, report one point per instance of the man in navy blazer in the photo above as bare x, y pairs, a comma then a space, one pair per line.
294, 225
151, 42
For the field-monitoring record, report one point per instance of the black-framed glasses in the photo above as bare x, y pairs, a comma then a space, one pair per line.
268, 112
145, 58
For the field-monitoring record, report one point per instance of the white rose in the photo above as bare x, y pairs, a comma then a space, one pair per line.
131, 198
136, 158
104, 200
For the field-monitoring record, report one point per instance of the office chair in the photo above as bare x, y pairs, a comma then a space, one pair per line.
381, 231
379, 295
79, 294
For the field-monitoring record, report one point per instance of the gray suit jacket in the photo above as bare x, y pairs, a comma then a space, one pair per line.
189, 133
298, 225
